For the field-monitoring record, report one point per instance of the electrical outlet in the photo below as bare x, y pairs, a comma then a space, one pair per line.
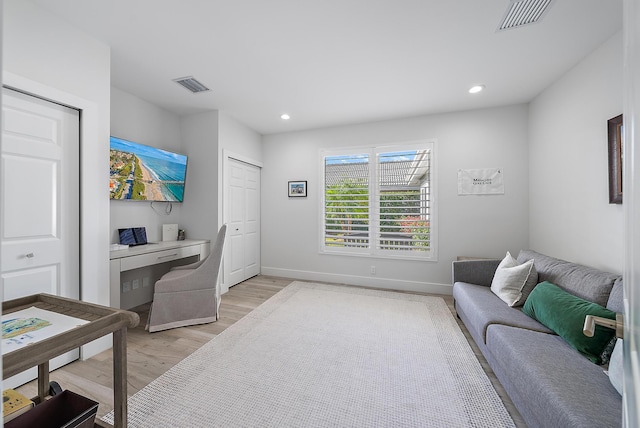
146, 281
373, 270
136, 284
126, 286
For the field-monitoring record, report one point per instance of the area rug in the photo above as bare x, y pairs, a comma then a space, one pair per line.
317, 355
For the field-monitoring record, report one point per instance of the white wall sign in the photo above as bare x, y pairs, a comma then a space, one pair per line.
487, 181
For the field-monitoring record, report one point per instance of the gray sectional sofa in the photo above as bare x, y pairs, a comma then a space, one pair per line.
550, 383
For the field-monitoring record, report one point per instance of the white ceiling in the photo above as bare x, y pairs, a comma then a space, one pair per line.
336, 62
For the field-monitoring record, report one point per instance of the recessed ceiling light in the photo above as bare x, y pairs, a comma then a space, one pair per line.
476, 89
285, 116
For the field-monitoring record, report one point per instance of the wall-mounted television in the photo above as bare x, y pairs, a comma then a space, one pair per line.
145, 173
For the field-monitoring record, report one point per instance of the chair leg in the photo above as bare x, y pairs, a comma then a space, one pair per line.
146, 327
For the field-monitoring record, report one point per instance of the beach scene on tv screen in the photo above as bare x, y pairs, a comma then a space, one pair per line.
145, 173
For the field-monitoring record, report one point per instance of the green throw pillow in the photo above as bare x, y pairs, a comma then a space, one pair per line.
564, 313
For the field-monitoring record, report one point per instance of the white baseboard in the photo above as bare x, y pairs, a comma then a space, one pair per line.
364, 281
94, 348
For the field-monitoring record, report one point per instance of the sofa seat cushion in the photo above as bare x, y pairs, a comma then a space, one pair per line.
561, 388
582, 281
482, 308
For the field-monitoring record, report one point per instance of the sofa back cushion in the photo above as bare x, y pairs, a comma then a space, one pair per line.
582, 281
615, 302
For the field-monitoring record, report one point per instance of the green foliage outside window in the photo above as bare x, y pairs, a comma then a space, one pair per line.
347, 213
346, 210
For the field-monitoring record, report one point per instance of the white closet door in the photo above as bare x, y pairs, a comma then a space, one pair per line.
40, 203
242, 258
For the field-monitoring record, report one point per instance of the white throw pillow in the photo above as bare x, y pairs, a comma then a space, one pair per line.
513, 282
615, 367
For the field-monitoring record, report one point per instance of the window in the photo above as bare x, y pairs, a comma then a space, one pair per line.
379, 202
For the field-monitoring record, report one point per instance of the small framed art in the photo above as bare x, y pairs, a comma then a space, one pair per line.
297, 189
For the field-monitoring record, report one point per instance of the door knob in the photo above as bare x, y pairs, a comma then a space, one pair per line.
29, 255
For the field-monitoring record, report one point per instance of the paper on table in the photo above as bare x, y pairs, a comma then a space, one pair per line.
27, 326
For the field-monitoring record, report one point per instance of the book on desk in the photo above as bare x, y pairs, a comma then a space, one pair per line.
14, 404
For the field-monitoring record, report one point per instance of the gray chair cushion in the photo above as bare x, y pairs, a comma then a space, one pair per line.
551, 384
582, 281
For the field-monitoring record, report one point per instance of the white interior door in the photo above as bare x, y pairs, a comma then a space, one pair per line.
242, 259
631, 205
40, 203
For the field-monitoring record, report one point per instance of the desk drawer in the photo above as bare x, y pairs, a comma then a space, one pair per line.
134, 262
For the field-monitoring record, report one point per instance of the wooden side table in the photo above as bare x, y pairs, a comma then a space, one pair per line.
102, 321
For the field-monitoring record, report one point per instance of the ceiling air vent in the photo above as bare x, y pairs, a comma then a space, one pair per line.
524, 12
191, 84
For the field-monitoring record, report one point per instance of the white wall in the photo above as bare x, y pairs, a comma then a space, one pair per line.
631, 192
571, 217
484, 226
205, 136
200, 207
238, 138
138, 120
43, 49
46, 56
240, 142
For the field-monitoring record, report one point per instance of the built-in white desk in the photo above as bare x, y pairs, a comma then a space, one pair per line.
148, 255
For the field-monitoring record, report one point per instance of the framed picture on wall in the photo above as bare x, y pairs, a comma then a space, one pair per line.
297, 189
615, 132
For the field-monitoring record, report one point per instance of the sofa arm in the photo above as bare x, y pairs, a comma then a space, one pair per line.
478, 272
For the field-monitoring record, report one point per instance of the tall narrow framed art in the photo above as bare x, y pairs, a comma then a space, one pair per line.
615, 133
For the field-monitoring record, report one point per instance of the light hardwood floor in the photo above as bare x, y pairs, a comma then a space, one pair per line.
150, 355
